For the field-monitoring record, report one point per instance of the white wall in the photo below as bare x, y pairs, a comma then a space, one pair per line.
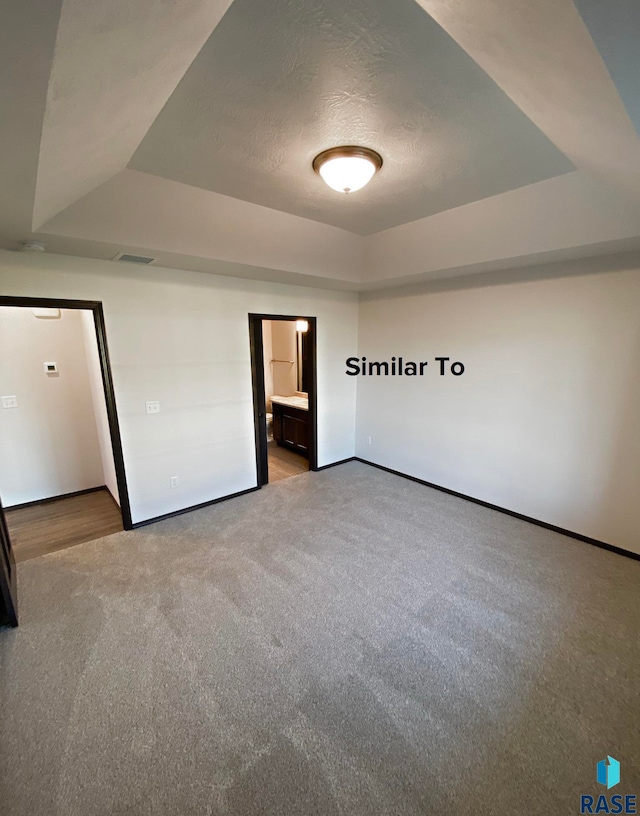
99, 404
543, 422
182, 338
49, 442
545, 419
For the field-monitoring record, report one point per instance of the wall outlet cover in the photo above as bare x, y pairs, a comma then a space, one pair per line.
10, 402
153, 407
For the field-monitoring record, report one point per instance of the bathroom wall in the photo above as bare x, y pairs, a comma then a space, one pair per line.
283, 348
267, 354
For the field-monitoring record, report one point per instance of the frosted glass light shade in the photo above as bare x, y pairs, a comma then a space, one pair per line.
346, 174
347, 169
302, 326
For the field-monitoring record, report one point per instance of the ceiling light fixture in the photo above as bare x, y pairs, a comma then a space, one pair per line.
32, 246
347, 169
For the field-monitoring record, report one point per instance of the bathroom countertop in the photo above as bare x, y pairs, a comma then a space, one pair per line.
292, 402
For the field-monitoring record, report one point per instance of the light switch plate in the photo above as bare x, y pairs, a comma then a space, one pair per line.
9, 402
153, 407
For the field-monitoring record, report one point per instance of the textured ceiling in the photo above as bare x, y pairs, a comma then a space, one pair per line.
275, 84
456, 94
116, 63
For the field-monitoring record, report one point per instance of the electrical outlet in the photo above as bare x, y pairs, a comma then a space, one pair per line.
9, 402
173, 481
153, 407
368, 440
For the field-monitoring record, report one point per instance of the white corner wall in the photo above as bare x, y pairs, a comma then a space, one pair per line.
49, 442
545, 419
99, 403
182, 338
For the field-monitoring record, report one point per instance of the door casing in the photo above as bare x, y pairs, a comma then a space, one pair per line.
259, 400
8, 588
94, 306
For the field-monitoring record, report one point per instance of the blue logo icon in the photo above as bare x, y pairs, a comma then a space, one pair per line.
608, 773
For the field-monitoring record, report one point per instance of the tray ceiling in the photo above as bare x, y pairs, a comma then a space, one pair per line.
185, 132
269, 91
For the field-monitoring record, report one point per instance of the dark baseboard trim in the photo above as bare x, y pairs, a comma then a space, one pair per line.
193, 507
222, 498
58, 498
335, 464
587, 540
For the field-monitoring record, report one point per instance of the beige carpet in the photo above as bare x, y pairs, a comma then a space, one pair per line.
346, 642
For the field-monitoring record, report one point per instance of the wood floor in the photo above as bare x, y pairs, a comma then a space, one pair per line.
284, 463
50, 526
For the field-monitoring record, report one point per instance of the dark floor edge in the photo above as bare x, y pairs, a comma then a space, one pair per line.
586, 539
193, 507
335, 464
58, 498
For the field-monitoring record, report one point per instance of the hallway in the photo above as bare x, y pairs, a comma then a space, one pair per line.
55, 525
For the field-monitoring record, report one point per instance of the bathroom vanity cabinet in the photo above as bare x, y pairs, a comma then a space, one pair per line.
291, 427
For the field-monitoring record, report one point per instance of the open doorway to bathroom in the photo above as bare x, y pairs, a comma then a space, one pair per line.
283, 362
62, 478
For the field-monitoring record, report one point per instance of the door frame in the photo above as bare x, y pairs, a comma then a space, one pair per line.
94, 306
259, 400
8, 588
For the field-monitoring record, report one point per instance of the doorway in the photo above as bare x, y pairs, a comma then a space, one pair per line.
63, 478
283, 366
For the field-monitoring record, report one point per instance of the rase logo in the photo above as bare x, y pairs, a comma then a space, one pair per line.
608, 774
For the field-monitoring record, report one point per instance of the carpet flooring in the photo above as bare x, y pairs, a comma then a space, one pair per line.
343, 642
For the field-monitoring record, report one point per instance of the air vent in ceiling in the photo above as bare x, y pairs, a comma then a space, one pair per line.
139, 259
